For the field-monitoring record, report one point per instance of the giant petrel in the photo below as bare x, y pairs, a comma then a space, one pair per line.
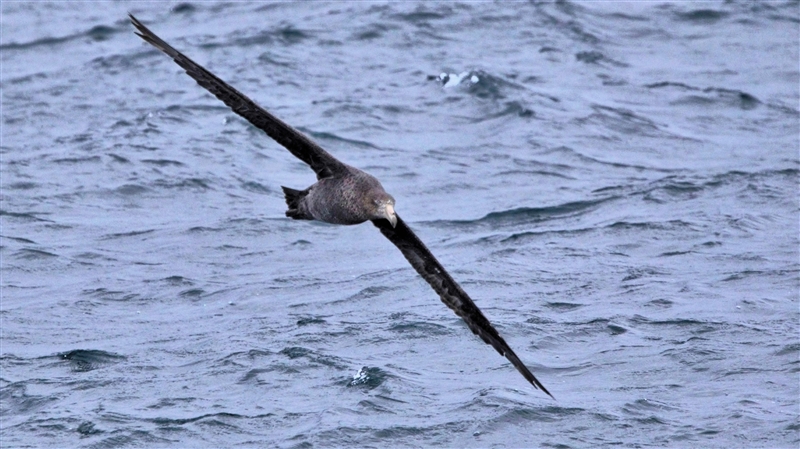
345, 195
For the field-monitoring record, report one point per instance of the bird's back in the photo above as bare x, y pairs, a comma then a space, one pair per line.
345, 198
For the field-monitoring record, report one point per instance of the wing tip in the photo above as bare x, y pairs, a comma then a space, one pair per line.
141, 30
538, 385
534, 381
134, 20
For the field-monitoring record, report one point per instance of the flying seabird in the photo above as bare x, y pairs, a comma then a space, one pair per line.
345, 195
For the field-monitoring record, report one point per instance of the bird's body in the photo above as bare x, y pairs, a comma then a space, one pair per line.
346, 198
346, 195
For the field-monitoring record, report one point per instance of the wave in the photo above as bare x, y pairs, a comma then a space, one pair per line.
709, 95
82, 360
96, 33
525, 215
705, 16
26, 216
368, 378
314, 358
597, 57
284, 34
623, 121
119, 235
669, 189
34, 254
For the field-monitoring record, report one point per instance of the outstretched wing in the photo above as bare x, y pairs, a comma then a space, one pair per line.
451, 293
298, 144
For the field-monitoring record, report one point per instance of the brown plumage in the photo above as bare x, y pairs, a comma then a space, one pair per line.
350, 196
346, 195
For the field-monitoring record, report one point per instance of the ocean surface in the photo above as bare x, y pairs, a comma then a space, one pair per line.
614, 183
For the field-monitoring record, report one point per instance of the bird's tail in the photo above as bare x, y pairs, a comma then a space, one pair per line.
293, 198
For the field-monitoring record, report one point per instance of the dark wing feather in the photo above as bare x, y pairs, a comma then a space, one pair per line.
298, 144
451, 293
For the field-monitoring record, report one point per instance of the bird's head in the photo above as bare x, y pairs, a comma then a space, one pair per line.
383, 204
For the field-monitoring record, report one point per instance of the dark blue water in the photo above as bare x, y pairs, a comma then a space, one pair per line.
616, 184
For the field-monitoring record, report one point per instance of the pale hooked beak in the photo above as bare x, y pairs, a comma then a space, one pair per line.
390, 215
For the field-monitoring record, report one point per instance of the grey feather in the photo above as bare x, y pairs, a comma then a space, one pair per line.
450, 292
302, 147
346, 195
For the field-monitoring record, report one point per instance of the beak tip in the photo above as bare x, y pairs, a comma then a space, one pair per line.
391, 215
